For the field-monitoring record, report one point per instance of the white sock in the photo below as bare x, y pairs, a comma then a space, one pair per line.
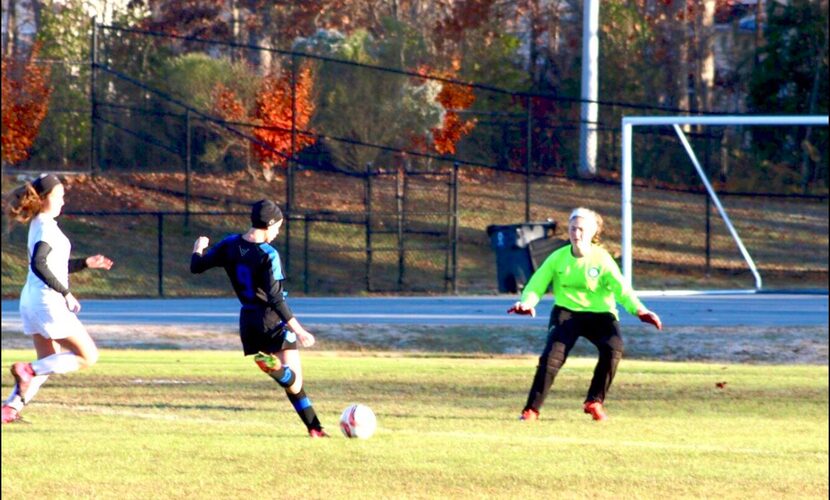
63, 362
34, 386
14, 400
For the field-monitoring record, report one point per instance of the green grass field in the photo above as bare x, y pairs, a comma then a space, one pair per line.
208, 424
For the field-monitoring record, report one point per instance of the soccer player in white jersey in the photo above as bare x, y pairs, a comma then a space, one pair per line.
47, 307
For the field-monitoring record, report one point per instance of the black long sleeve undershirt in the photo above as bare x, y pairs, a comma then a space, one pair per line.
266, 291
42, 271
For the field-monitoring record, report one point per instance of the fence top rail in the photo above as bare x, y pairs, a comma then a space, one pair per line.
149, 212
728, 120
322, 215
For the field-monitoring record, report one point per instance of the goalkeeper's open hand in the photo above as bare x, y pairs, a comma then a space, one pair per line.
519, 308
647, 316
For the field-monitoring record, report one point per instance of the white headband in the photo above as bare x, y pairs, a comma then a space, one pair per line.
583, 212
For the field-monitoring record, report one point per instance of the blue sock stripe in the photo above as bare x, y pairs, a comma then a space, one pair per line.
286, 376
301, 404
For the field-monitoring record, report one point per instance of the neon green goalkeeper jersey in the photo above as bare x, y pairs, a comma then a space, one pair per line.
592, 283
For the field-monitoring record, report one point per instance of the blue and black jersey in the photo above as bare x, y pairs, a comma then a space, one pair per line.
255, 271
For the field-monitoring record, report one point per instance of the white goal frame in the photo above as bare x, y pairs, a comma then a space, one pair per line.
628, 124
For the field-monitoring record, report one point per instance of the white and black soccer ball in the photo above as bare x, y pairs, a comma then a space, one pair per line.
358, 421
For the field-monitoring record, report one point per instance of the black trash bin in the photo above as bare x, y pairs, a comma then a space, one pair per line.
520, 249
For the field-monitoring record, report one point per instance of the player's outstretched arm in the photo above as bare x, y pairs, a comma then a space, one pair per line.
647, 316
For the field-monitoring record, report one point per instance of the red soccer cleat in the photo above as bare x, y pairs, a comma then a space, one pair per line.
318, 433
529, 415
23, 375
10, 414
596, 410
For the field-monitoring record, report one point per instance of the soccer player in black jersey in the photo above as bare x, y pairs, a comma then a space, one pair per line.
267, 327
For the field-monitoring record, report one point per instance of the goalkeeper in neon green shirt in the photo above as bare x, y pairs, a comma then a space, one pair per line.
587, 285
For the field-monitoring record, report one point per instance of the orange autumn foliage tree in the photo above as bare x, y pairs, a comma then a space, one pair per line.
272, 116
25, 93
273, 113
453, 97
227, 105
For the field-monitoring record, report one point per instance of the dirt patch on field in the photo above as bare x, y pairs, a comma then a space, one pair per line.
768, 345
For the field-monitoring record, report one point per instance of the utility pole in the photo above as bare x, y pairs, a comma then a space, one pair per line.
590, 89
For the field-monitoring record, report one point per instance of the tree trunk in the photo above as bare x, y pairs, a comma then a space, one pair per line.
681, 42
759, 31
807, 149
235, 51
706, 56
10, 36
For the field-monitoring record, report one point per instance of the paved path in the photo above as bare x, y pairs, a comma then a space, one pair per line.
767, 310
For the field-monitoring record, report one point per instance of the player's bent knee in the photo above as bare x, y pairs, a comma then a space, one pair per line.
88, 359
556, 358
282, 374
285, 376
266, 362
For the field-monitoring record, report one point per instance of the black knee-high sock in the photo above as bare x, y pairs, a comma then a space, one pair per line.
283, 376
302, 405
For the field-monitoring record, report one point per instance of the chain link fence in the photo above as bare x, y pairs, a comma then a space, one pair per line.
372, 197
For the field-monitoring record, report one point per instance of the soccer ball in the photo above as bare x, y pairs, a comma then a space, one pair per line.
358, 421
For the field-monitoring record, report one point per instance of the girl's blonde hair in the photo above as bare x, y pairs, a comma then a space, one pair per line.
24, 203
588, 213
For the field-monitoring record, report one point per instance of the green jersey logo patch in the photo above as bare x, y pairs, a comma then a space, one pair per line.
593, 272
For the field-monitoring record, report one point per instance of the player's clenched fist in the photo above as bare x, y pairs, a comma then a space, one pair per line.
200, 244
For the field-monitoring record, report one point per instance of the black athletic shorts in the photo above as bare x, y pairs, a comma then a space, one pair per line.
262, 330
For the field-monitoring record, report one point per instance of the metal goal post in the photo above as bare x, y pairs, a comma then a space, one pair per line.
628, 124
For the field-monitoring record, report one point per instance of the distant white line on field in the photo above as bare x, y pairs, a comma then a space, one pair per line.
171, 417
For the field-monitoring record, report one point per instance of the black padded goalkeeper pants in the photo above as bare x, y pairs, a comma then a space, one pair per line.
564, 328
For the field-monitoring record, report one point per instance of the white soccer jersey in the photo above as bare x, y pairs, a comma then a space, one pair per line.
35, 291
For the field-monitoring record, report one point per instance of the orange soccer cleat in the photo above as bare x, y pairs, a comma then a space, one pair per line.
318, 433
10, 414
596, 410
529, 415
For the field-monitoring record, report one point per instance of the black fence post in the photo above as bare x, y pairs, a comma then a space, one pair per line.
455, 228
93, 106
400, 198
187, 168
306, 232
708, 212
160, 218
289, 172
448, 248
529, 159
708, 234
367, 207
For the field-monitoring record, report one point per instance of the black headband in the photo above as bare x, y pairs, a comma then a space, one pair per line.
265, 213
45, 183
